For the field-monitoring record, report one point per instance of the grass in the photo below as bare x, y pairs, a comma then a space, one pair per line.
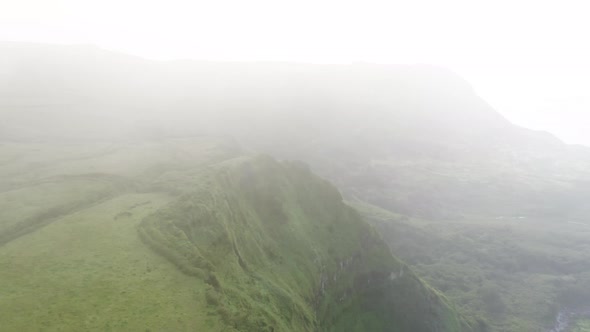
178, 235
40, 182
70, 255
89, 272
280, 251
26, 164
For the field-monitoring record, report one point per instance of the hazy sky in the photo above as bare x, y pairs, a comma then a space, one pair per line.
529, 59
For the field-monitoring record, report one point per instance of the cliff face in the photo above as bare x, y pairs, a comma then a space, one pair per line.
280, 251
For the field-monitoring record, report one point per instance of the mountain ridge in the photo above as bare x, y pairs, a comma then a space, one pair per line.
275, 242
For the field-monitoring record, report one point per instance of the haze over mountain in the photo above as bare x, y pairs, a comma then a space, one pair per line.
103, 189
532, 67
470, 200
369, 128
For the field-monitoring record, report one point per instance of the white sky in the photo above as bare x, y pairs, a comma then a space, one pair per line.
529, 59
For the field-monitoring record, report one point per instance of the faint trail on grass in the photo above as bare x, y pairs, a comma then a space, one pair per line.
47, 217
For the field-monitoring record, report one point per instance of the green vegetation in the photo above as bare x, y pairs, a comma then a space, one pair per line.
70, 256
32, 207
278, 250
514, 274
492, 215
90, 272
179, 235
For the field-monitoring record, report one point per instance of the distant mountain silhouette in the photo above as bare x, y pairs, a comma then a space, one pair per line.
415, 139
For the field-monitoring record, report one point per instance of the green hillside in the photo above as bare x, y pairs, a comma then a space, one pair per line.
280, 251
90, 272
185, 235
491, 214
70, 255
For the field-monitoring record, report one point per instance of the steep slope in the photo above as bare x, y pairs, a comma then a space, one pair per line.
516, 274
280, 251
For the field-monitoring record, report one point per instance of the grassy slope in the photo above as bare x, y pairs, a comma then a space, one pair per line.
70, 257
79, 264
279, 251
89, 271
40, 182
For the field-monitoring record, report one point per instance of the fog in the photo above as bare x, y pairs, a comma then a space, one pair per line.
526, 58
155, 158
270, 166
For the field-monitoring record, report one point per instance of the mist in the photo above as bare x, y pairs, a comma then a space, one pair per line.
532, 71
399, 167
